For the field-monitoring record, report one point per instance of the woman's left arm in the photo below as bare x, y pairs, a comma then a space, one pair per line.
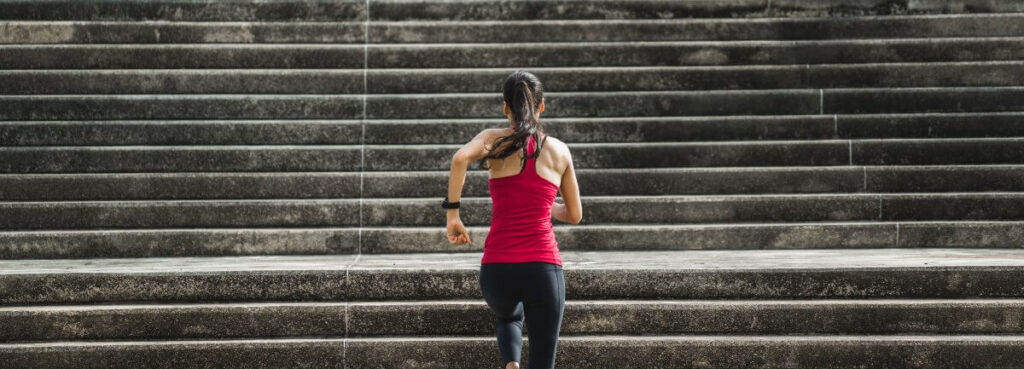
472, 151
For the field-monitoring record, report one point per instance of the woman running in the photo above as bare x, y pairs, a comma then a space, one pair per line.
521, 273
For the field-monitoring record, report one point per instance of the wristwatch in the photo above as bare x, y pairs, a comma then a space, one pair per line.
449, 205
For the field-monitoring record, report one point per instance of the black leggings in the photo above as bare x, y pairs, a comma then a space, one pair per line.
536, 289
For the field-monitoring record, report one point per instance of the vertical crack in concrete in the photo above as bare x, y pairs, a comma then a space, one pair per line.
865, 187
850, 150
897, 242
835, 125
821, 101
362, 123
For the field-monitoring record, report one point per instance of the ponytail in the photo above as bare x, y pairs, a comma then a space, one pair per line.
523, 93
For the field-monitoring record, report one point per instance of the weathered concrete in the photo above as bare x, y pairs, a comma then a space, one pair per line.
180, 56
64, 159
600, 182
676, 352
144, 32
989, 206
180, 213
322, 10
597, 181
181, 132
923, 100
696, 29
654, 209
642, 155
181, 81
489, 55
930, 125
475, 105
378, 240
937, 151
425, 131
942, 178
183, 186
454, 130
471, 317
688, 53
668, 209
177, 242
119, 107
184, 10
387, 81
679, 29
688, 274
389, 240
496, 9
602, 104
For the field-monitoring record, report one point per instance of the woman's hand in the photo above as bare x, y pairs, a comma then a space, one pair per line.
457, 233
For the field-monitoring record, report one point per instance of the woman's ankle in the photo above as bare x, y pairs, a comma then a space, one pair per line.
512, 365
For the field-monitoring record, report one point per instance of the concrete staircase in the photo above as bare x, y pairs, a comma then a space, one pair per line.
255, 184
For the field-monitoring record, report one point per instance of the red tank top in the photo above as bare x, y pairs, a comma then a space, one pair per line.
521, 229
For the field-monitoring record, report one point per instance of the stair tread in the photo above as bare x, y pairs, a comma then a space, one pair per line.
610, 302
584, 338
701, 260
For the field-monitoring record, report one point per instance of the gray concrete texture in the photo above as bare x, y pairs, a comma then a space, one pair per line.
531, 30
437, 157
397, 212
678, 274
488, 55
472, 318
598, 182
452, 131
767, 184
93, 243
483, 105
333, 10
386, 81
677, 352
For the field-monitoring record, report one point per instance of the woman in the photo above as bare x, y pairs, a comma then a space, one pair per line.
521, 269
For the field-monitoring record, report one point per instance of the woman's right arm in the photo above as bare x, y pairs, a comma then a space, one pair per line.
572, 210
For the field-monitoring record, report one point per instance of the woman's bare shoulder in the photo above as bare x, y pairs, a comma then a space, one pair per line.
558, 146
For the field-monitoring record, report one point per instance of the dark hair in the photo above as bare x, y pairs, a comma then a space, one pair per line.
523, 93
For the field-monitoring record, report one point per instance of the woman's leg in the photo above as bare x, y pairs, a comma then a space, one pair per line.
504, 300
544, 304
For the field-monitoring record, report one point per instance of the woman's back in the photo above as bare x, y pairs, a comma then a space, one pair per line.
521, 229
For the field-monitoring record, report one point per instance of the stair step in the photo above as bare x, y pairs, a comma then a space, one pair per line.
574, 352
458, 131
384, 81
185, 10
333, 10
485, 55
680, 29
480, 105
260, 158
598, 182
687, 274
473, 318
109, 243
663, 53
422, 212
497, 9
179, 158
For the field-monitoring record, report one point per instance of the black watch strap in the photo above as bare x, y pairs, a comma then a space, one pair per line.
449, 205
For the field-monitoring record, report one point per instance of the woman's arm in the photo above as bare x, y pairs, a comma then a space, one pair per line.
472, 151
572, 210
